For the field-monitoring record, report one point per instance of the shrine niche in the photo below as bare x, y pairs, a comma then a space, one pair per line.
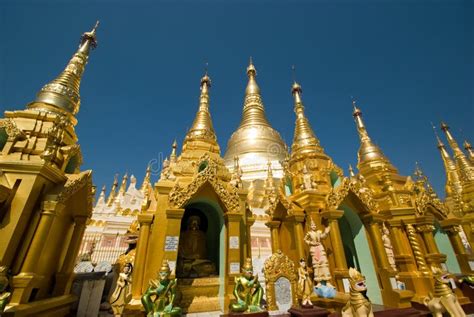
279, 271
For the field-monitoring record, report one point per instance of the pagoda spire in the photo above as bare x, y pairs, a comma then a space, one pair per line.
465, 170
254, 111
101, 200
469, 150
304, 138
62, 94
123, 185
202, 128
351, 171
368, 151
173, 155
113, 191
453, 183
146, 181
269, 183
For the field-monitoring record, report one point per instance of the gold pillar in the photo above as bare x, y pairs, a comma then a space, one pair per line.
335, 236
65, 277
372, 224
298, 225
462, 256
248, 241
42, 230
426, 231
402, 249
173, 227
234, 256
274, 226
140, 255
340, 270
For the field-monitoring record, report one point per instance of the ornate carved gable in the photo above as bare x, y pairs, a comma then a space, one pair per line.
76, 182
358, 188
425, 198
207, 172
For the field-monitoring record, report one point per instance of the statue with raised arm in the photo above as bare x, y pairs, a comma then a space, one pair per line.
319, 259
159, 298
247, 291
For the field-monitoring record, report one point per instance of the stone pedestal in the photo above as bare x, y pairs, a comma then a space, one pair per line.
308, 311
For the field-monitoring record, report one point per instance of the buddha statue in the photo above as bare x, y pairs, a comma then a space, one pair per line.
192, 252
159, 298
247, 291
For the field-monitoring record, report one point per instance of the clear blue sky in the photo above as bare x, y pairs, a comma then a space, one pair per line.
407, 62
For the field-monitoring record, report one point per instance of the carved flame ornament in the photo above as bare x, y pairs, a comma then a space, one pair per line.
207, 172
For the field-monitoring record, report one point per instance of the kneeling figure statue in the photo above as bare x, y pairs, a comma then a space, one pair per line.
247, 291
159, 298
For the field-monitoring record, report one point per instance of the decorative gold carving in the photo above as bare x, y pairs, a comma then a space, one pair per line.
74, 184
358, 187
425, 228
276, 266
179, 196
14, 133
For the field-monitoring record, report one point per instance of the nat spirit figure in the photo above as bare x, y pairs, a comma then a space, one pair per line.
159, 298
247, 291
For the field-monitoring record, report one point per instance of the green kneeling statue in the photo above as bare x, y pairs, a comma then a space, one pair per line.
247, 291
159, 298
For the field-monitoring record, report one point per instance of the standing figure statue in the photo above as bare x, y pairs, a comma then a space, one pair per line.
159, 298
122, 294
4, 295
387, 243
318, 254
305, 285
247, 291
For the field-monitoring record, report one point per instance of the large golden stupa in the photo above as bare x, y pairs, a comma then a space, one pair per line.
199, 220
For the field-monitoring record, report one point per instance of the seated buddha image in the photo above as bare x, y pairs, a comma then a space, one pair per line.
192, 251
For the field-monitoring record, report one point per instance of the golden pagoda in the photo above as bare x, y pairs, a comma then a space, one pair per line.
46, 199
209, 215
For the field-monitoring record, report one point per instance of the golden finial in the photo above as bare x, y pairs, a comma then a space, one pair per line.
470, 152
453, 185
146, 180
123, 186
202, 128
252, 87
173, 155
367, 151
304, 140
113, 191
62, 94
465, 170
351, 171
